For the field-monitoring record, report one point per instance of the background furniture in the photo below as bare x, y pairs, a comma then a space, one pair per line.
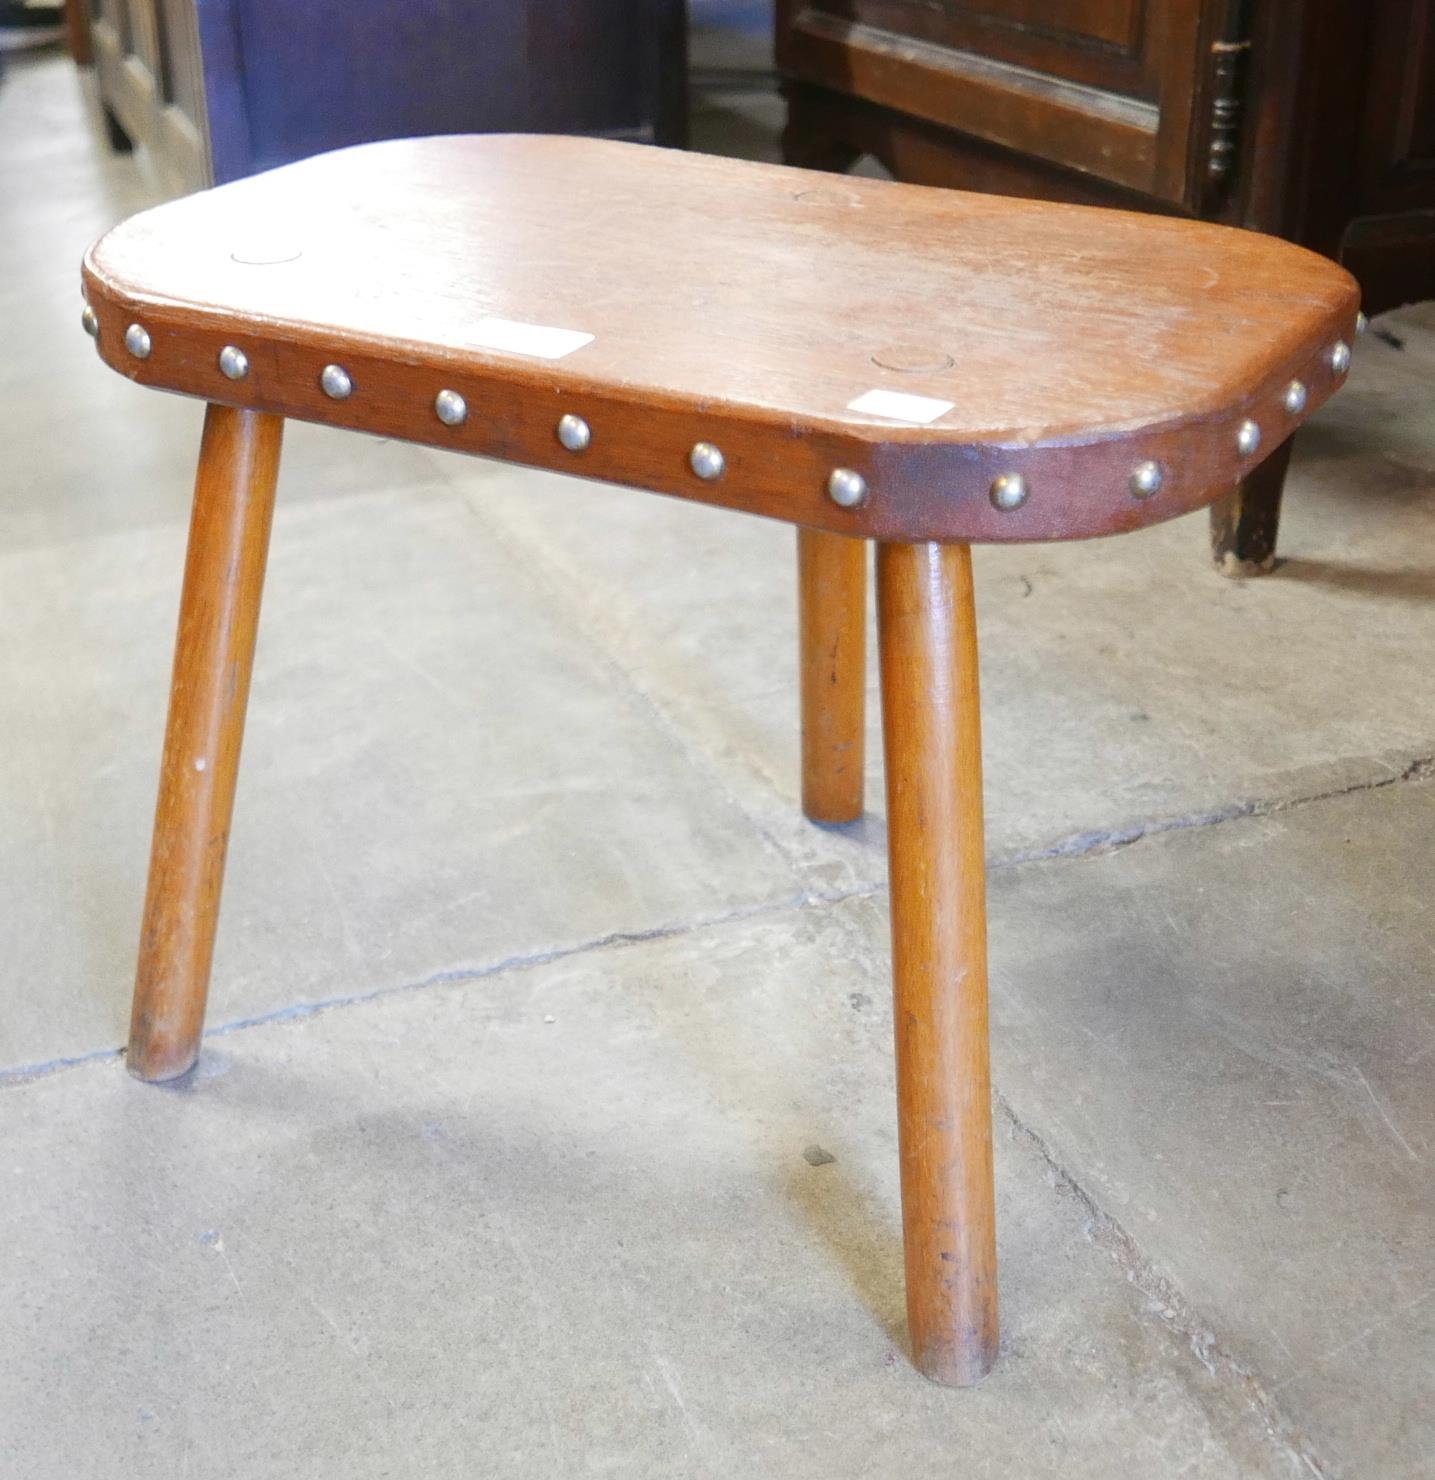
77, 32
216, 89
1310, 119
632, 315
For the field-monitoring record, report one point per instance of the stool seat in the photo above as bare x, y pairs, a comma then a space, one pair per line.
932, 342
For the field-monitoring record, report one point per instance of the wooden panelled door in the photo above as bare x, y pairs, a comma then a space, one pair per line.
1109, 88
147, 55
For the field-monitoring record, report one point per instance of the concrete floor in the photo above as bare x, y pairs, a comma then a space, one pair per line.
534, 994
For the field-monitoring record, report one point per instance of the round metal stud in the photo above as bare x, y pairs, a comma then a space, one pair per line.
137, 341
706, 461
1362, 323
450, 408
846, 489
335, 383
1340, 357
1294, 399
1009, 492
1248, 437
90, 322
233, 362
1146, 479
574, 433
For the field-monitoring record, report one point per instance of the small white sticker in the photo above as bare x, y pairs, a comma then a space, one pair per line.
899, 406
538, 340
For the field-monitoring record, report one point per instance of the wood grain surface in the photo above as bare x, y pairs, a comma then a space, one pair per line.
213, 658
745, 305
832, 642
931, 728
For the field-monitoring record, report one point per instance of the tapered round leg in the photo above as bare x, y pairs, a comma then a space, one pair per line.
832, 627
932, 732
214, 653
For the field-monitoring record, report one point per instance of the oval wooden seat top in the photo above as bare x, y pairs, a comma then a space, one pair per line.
1127, 367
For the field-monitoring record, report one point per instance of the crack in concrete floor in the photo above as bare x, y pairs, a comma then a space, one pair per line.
1165, 1302
1168, 1305
1085, 845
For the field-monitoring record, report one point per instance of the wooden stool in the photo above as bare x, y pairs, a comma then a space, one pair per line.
864, 360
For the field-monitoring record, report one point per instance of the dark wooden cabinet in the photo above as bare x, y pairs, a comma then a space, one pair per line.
1102, 87
1310, 119
1368, 187
217, 89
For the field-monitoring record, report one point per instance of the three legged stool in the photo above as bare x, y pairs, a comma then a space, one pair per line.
863, 360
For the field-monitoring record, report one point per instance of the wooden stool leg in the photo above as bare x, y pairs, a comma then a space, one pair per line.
931, 727
832, 628
214, 653
1244, 523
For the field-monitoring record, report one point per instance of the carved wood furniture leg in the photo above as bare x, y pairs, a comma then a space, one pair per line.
832, 638
116, 133
807, 141
1244, 523
931, 728
214, 654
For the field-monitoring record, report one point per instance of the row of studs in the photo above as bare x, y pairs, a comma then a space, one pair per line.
1009, 491
846, 489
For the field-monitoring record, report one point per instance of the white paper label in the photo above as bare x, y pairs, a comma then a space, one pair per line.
539, 340
899, 406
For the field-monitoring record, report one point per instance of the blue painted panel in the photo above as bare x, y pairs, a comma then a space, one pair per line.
285, 80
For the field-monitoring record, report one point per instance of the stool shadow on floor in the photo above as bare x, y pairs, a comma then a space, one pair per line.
1403, 583
508, 1185
776, 1074
868, 832
864, 1243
